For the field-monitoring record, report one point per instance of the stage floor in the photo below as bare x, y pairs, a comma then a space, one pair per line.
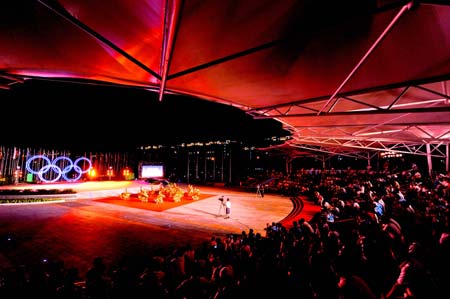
80, 228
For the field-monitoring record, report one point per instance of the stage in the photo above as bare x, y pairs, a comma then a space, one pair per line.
80, 228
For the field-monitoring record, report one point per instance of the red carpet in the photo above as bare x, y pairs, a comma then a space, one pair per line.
303, 208
134, 202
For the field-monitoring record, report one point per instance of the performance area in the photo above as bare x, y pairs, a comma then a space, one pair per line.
96, 221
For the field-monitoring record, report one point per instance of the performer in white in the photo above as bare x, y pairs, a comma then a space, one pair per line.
227, 208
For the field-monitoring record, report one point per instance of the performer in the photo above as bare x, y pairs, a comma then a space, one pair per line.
227, 208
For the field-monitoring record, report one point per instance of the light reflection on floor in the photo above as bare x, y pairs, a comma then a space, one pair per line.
78, 229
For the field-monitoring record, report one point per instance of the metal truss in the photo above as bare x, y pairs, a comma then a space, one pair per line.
359, 149
401, 119
7, 80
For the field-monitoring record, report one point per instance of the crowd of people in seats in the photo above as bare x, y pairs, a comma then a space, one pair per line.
388, 237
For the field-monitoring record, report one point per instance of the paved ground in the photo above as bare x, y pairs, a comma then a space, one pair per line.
78, 229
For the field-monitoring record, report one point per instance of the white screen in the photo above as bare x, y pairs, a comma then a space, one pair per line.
152, 171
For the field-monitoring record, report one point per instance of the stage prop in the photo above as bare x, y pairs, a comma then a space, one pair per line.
170, 193
70, 171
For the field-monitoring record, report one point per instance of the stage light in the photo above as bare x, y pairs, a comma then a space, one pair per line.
92, 173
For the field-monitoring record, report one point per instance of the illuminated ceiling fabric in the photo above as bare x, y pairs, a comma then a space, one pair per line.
359, 75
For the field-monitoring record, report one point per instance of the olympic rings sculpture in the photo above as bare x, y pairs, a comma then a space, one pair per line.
56, 165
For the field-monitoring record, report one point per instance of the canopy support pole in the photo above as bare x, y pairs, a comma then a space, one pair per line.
447, 153
372, 48
169, 39
429, 161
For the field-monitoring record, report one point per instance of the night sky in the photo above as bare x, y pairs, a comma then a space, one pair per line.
79, 116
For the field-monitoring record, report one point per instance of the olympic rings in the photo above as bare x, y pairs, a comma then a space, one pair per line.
55, 166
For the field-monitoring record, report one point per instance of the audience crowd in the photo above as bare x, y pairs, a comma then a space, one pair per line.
379, 235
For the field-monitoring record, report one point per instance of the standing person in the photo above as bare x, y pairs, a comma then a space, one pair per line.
227, 208
260, 190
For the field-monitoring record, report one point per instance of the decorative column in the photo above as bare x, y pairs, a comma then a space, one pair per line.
187, 179
206, 166
221, 173
196, 164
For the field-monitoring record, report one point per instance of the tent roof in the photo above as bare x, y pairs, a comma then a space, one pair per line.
340, 75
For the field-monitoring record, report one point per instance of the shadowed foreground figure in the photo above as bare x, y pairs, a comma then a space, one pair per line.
96, 282
196, 286
414, 279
